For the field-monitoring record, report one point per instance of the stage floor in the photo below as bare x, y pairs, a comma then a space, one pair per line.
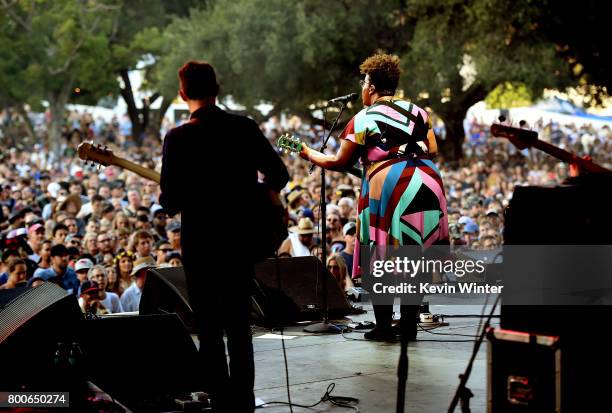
368, 370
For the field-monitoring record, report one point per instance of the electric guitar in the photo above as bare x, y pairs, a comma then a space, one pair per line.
524, 138
273, 219
105, 157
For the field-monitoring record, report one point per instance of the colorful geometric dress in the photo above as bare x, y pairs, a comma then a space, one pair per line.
402, 199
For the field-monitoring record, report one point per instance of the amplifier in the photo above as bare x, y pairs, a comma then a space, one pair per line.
524, 372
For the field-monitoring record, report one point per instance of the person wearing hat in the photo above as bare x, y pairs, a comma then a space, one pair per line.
130, 299
64, 275
173, 230
295, 200
89, 298
82, 267
36, 235
175, 259
470, 232
160, 220
300, 239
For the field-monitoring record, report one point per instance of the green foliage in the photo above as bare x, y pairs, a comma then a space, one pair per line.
290, 54
55, 46
509, 95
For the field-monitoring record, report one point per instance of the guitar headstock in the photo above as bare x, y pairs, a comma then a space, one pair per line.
521, 137
95, 153
289, 143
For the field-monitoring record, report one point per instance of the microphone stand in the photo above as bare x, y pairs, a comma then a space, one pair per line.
325, 326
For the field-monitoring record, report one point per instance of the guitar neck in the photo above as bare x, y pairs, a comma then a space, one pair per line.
569, 157
137, 169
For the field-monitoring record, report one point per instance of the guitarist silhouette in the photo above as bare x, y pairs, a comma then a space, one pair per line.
210, 176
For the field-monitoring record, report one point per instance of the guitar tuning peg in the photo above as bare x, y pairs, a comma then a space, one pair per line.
522, 123
501, 119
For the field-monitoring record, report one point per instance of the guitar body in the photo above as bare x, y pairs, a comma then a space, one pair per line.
271, 225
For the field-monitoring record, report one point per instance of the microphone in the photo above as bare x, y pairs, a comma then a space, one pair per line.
344, 99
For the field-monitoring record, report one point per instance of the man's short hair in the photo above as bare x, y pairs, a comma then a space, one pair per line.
198, 80
59, 227
97, 198
59, 250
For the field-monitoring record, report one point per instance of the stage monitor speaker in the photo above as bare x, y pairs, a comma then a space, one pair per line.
569, 214
143, 361
300, 295
32, 323
165, 292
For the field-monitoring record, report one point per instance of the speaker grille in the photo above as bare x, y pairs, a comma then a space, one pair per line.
23, 308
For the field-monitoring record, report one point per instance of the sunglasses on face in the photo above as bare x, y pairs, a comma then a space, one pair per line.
331, 267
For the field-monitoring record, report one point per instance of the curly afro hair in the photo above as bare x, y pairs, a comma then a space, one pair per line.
384, 71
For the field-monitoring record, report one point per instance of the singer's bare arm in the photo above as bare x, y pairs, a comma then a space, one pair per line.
342, 160
432, 144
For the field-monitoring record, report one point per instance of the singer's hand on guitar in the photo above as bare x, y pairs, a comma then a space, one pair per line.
342, 160
305, 152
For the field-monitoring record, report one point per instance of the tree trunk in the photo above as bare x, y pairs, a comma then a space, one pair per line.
157, 117
56, 108
27, 123
133, 112
451, 148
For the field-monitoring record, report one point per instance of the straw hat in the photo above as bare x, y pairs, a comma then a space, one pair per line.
304, 226
142, 263
294, 196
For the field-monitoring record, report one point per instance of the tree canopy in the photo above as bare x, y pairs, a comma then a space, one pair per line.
295, 55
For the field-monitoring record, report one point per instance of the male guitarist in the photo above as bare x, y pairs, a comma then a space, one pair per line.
209, 175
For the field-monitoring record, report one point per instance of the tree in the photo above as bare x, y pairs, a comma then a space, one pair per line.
292, 55
462, 50
57, 46
136, 43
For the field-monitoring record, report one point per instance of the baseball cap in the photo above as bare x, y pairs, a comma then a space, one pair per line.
73, 237
53, 188
16, 233
307, 213
492, 212
350, 228
83, 264
89, 287
464, 220
34, 228
157, 209
174, 254
173, 226
161, 242
470, 228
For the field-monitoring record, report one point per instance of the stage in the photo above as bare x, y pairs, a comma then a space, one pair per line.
367, 370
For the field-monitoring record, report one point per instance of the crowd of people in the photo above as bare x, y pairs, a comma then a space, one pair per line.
96, 231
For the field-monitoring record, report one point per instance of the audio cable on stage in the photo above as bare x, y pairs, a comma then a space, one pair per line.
340, 401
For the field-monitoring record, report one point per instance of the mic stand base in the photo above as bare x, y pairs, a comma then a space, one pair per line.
323, 327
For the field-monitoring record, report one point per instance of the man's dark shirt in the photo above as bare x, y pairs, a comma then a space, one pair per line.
209, 174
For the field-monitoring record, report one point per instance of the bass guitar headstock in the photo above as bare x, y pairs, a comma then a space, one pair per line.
521, 137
